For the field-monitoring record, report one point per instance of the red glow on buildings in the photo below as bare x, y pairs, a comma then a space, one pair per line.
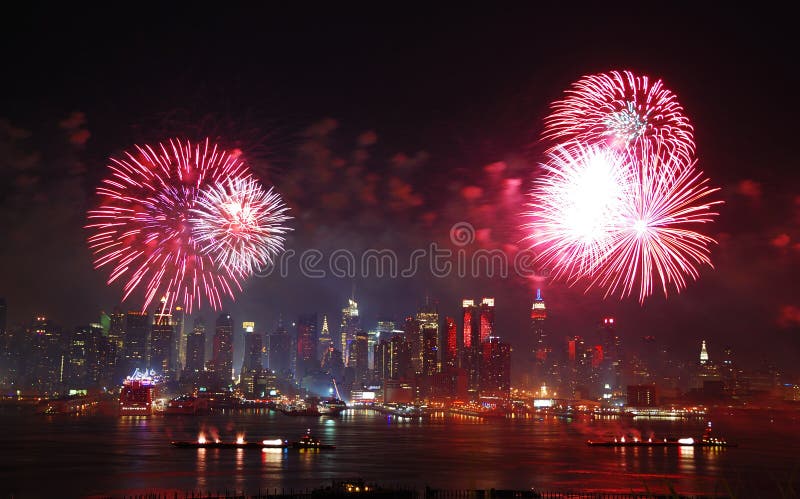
451, 355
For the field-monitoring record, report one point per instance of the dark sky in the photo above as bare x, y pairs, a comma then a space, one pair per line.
411, 108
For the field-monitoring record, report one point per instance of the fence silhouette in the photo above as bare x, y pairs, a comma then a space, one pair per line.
384, 493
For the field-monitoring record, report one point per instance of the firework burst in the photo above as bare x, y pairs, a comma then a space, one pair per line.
622, 220
620, 110
655, 240
577, 201
142, 229
240, 224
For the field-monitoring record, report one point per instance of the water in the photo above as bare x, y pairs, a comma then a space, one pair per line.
102, 455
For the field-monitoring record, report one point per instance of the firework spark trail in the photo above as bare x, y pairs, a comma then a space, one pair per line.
142, 230
655, 240
240, 224
620, 110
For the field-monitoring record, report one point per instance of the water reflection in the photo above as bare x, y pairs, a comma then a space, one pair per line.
201, 469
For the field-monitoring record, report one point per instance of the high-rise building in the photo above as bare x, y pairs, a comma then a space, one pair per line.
450, 355
400, 366
495, 369
359, 357
413, 335
222, 360
350, 324
430, 350
47, 351
703, 353
195, 359
252, 348
306, 344
87, 357
487, 319
135, 340
178, 340
428, 321
116, 344
279, 351
325, 340
612, 362
541, 347
162, 336
251, 364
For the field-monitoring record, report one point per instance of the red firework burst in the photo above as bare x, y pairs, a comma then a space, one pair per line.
142, 229
620, 109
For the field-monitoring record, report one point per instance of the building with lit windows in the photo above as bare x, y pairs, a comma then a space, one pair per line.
222, 359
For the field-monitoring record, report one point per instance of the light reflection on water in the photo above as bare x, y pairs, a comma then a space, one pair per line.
107, 455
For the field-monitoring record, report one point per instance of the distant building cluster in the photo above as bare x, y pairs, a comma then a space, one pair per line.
425, 357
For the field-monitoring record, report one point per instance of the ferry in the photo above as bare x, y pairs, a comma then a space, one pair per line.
707, 440
138, 394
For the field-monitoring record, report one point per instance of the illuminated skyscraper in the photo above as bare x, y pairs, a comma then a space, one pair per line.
116, 344
162, 341
306, 344
703, 353
430, 350
325, 340
195, 359
350, 324
428, 320
178, 339
413, 334
223, 349
611, 362
135, 341
251, 364
471, 340
359, 357
487, 319
47, 355
541, 347
450, 355
495, 371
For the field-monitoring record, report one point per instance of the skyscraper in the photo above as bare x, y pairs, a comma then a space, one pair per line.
350, 324
470, 361
196, 350
325, 340
223, 349
430, 350
178, 339
450, 352
541, 347
428, 320
251, 364
612, 362
162, 338
279, 351
487, 319
306, 344
359, 357
116, 344
495, 369
703, 353
135, 341
413, 335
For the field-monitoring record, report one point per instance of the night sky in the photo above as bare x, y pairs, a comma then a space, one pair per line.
384, 129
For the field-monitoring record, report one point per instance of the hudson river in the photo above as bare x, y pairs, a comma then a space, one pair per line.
113, 456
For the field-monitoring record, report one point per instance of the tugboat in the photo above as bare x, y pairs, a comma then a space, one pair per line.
308, 441
707, 440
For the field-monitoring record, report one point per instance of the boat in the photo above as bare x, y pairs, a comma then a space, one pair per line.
308, 441
707, 440
331, 407
185, 405
240, 443
138, 394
